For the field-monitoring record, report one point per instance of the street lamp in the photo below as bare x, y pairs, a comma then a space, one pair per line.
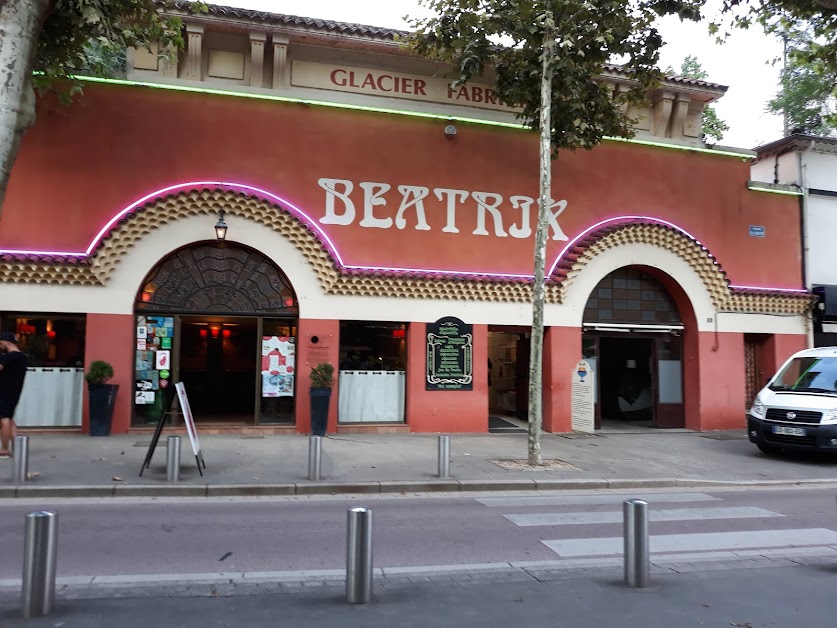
221, 227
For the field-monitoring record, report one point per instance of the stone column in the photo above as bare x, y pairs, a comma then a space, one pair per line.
193, 70
281, 67
663, 104
678, 119
257, 42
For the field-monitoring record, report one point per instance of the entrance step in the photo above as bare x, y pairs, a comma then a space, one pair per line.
376, 428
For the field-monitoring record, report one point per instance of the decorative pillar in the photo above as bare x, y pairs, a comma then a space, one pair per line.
257, 42
678, 119
193, 70
663, 104
168, 62
281, 68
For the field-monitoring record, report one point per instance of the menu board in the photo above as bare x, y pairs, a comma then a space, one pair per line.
153, 359
278, 366
450, 351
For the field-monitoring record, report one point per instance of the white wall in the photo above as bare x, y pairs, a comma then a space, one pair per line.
821, 171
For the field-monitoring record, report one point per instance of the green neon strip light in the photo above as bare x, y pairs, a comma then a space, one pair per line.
688, 149
414, 114
772, 191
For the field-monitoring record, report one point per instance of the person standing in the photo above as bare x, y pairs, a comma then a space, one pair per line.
12, 374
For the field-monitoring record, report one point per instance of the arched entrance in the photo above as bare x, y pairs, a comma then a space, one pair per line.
222, 318
633, 339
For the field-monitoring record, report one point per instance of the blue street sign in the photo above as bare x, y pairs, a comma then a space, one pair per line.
757, 231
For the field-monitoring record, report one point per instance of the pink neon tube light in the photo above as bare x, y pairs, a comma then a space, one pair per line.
329, 244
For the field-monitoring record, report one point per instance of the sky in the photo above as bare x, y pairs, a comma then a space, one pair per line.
742, 63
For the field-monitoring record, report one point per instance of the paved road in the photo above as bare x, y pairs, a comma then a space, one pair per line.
788, 597
165, 536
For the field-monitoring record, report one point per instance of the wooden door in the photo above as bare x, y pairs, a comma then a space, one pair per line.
667, 375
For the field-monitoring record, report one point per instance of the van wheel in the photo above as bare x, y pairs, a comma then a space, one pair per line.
770, 450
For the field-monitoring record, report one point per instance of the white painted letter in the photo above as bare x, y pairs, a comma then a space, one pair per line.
419, 194
453, 195
484, 204
330, 186
557, 233
373, 195
525, 204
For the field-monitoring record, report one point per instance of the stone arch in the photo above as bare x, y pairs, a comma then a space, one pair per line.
618, 233
217, 277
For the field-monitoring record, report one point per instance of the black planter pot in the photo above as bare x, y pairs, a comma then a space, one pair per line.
102, 399
319, 410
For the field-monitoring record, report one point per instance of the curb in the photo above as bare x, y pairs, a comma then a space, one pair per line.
261, 582
384, 487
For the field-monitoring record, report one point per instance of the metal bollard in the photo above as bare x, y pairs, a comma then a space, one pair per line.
637, 558
20, 471
173, 459
315, 457
40, 553
444, 456
359, 556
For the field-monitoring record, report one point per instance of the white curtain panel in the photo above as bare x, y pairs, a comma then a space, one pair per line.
51, 397
371, 397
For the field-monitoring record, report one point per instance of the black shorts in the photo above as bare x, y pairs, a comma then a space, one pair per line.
7, 408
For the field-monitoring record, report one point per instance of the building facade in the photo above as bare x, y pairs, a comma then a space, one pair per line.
808, 164
381, 220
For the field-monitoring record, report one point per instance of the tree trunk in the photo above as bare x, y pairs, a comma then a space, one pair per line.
536, 353
20, 25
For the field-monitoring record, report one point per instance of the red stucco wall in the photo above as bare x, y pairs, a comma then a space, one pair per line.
561, 352
309, 354
78, 166
722, 381
112, 338
446, 410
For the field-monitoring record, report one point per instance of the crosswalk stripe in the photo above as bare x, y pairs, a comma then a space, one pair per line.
803, 537
606, 498
672, 514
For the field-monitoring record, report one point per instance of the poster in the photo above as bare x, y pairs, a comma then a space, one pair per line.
162, 359
278, 366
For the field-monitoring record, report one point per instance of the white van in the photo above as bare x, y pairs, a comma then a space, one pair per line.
798, 407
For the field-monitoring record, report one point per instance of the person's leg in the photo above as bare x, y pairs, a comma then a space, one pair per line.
5, 436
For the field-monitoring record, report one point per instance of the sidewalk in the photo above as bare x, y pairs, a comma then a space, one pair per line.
78, 465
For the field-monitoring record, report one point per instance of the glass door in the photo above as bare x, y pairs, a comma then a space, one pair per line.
276, 386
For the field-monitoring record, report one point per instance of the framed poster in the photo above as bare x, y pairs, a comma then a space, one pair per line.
450, 355
278, 366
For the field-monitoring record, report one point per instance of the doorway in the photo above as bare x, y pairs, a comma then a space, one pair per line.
221, 318
508, 378
626, 380
633, 341
218, 364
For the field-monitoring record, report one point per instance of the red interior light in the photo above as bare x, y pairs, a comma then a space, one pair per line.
398, 333
227, 333
203, 333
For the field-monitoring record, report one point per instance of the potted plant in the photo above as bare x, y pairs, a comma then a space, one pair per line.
322, 379
102, 397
